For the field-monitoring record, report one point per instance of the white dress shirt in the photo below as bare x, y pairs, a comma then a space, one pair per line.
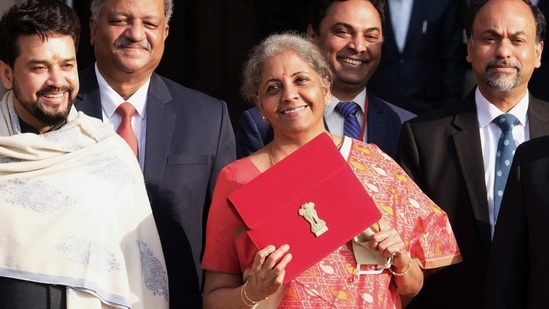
110, 100
489, 137
401, 10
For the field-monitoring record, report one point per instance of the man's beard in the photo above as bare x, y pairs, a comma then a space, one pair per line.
37, 110
500, 81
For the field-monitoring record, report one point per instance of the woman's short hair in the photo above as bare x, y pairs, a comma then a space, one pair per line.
276, 44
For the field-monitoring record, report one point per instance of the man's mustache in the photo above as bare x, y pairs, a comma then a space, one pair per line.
123, 42
47, 89
502, 62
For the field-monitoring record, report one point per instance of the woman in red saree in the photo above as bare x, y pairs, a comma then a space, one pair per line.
289, 80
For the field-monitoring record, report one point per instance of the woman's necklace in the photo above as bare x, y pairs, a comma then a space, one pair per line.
271, 153
340, 142
271, 148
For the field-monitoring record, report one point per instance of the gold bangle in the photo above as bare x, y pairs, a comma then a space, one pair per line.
244, 296
407, 269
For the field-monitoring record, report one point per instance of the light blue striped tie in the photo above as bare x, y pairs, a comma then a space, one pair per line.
504, 157
351, 126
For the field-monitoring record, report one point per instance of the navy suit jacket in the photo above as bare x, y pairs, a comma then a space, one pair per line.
442, 153
518, 271
384, 123
189, 140
429, 73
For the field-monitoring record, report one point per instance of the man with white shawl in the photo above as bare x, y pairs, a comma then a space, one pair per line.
76, 227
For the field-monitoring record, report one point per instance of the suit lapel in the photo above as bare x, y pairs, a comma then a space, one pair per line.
160, 126
415, 22
469, 155
160, 118
538, 117
389, 43
414, 36
375, 124
89, 98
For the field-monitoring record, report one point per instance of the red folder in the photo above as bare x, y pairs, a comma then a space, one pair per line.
310, 200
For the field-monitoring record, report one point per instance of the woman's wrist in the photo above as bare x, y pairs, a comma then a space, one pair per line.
244, 296
402, 271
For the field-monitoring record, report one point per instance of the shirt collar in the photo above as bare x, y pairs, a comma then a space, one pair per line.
110, 99
360, 99
487, 112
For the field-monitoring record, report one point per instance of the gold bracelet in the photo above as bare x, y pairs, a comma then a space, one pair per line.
407, 269
244, 296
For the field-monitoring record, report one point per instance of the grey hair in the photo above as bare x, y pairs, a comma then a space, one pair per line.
97, 5
276, 44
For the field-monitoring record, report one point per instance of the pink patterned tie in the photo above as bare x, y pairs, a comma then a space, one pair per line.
125, 130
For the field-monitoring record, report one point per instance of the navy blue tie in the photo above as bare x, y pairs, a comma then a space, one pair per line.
504, 157
351, 126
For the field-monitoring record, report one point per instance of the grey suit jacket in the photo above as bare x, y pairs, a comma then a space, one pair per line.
189, 140
441, 151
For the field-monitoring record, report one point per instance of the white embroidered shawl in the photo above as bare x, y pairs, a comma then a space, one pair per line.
74, 212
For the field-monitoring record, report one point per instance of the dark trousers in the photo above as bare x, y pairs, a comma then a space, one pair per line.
19, 294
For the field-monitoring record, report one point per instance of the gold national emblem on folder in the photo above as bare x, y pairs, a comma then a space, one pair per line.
318, 193
308, 212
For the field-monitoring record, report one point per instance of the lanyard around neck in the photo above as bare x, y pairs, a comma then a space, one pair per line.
364, 119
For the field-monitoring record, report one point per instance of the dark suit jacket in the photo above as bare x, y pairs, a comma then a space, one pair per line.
441, 151
518, 272
429, 72
189, 139
384, 123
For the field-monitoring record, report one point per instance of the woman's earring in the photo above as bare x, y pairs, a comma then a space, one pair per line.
263, 118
